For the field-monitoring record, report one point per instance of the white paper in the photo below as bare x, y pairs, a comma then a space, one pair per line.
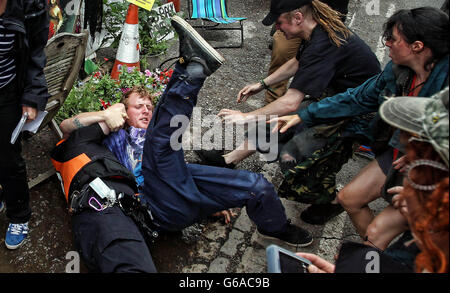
31, 126
18, 128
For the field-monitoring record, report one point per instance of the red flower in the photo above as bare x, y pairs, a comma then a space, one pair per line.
105, 105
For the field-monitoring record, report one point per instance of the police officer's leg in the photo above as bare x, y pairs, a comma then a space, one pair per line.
168, 185
110, 242
190, 193
222, 188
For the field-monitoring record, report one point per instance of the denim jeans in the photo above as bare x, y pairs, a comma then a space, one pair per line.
13, 174
181, 194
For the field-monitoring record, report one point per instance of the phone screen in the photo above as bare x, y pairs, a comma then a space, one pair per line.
290, 264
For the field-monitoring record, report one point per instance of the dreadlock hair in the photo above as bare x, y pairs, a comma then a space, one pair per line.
138, 89
329, 19
428, 211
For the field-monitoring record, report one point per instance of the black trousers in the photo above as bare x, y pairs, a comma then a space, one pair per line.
13, 174
110, 242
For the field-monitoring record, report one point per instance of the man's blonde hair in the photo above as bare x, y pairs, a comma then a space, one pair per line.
138, 89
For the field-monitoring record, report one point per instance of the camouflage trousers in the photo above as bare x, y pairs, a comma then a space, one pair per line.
313, 180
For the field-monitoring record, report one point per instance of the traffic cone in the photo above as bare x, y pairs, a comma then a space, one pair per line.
128, 52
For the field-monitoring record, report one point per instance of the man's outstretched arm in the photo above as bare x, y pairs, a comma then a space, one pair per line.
111, 119
284, 105
283, 73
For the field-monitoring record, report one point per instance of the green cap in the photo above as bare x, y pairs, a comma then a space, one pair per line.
426, 117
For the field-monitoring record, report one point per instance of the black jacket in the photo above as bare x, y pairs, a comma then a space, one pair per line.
82, 157
29, 20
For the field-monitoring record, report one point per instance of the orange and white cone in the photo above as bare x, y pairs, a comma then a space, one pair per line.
128, 52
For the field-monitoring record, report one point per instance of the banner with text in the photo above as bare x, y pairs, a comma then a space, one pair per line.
163, 12
146, 4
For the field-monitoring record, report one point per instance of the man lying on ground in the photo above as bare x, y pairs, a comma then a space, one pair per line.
177, 194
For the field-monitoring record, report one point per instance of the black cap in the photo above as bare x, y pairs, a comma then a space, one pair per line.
278, 7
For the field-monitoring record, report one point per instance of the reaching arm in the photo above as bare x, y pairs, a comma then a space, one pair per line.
285, 122
353, 102
282, 106
111, 119
286, 71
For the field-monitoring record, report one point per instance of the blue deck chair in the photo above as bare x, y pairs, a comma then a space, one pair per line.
215, 11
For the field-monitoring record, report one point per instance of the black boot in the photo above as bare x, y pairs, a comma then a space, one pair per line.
193, 48
292, 235
319, 214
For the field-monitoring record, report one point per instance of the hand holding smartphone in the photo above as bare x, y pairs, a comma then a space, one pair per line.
280, 260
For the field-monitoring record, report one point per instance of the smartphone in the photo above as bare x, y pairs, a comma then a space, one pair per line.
280, 260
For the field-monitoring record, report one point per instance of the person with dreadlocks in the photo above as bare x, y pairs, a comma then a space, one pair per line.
284, 50
330, 60
418, 43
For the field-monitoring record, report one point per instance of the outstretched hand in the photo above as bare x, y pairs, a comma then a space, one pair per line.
234, 116
247, 91
285, 122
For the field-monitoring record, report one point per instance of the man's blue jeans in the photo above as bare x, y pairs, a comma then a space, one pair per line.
181, 194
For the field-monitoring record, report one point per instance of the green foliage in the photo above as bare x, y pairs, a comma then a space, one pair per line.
85, 97
114, 18
100, 91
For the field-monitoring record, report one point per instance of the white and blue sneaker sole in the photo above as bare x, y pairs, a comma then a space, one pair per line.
199, 39
13, 247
